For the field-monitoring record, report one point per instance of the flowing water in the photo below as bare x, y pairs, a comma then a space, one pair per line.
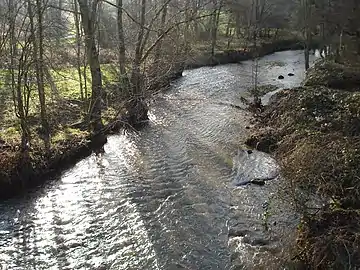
162, 198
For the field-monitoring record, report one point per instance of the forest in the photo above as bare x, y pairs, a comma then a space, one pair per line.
71, 66
78, 64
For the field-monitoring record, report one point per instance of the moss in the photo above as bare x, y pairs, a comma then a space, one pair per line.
68, 134
11, 135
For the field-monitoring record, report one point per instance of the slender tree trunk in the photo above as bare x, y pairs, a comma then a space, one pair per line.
341, 41
135, 74
195, 22
215, 25
40, 75
16, 87
159, 45
88, 18
78, 49
98, 27
54, 90
227, 33
38, 53
137, 109
84, 65
307, 10
122, 49
238, 25
187, 28
255, 71
230, 38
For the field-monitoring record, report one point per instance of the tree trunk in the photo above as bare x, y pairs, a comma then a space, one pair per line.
137, 109
341, 41
215, 24
136, 72
307, 11
88, 18
196, 22
122, 50
40, 76
16, 86
227, 33
187, 28
84, 71
54, 90
159, 45
307, 57
38, 52
78, 49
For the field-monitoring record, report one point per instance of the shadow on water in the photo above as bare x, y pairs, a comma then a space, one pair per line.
163, 198
177, 204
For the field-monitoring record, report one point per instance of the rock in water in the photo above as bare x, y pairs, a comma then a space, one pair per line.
291, 74
281, 77
259, 182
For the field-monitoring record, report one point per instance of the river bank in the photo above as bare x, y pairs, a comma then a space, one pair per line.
17, 174
314, 133
236, 56
21, 171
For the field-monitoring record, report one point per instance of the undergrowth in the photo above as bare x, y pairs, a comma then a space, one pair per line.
314, 131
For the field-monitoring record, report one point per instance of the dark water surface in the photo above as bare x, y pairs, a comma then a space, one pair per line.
164, 198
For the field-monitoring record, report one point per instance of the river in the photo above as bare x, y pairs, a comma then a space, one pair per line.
166, 196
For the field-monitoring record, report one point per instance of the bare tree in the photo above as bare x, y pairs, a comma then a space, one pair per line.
18, 71
88, 17
38, 52
306, 9
215, 24
162, 28
122, 49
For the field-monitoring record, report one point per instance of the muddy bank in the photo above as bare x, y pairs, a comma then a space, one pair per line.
314, 132
22, 171
232, 56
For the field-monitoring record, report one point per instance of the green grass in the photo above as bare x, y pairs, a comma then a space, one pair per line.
66, 80
11, 134
68, 134
68, 83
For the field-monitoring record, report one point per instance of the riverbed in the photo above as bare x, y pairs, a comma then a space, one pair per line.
164, 197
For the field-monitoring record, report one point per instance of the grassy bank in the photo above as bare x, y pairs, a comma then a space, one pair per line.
21, 171
70, 139
314, 131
